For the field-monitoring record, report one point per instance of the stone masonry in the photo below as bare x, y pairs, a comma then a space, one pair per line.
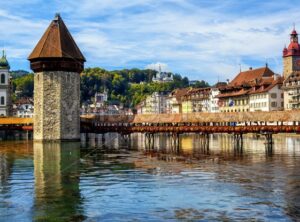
57, 98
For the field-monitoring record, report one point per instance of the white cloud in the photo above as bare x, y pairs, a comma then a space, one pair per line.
202, 40
159, 65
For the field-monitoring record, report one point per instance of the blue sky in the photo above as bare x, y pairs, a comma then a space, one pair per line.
200, 39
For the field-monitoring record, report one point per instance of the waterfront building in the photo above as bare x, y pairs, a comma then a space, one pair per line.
23, 108
267, 96
291, 73
155, 103
162, 77
174, 100
57, 62
5, 87
196, 100
235, 97
213, 97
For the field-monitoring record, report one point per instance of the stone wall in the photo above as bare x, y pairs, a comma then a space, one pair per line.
56, 97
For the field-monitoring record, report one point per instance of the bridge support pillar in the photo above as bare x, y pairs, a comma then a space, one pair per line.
149, 140
238, 141
126, 138
204, 141
175, 141
269, 142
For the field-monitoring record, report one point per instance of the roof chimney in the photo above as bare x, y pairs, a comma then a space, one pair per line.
250, 68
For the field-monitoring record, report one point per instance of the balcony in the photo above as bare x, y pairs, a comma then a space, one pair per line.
294, 101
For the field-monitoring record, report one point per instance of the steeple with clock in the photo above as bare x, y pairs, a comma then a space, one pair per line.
291, 55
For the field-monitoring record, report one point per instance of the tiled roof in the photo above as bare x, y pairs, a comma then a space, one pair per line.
249, 76
261, 86
57, 42
178, 93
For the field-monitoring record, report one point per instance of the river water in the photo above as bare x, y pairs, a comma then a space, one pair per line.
121, 180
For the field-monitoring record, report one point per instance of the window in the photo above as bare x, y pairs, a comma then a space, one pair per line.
273, 104
2, 100
273, 95
2, 78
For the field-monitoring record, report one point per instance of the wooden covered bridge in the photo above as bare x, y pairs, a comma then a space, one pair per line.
266, 123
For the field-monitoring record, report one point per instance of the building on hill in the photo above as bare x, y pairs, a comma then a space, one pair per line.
101, 99
5, 87
291, 73
261, 84
162, 76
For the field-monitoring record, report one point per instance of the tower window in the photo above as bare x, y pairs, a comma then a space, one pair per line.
2, 102
2, 78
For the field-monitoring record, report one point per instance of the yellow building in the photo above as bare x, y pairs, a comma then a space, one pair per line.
196, 100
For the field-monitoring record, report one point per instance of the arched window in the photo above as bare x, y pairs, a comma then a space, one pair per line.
2, 100
2, 78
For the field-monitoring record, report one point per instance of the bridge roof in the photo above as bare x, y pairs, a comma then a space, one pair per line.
284, 116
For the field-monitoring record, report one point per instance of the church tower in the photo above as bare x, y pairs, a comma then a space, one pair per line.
5, 87
291, 55
57, 63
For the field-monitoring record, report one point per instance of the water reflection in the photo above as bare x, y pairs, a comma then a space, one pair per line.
56, 171
117, 179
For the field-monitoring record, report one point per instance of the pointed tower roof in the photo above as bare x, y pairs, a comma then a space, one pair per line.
3, 61
56, 44
294, 48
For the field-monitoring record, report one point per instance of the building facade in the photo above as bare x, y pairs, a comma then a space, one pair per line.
155, 103
291, 73
267, 98
5, 87
162, 76
196, 100
235, 97
101, 99
174, 100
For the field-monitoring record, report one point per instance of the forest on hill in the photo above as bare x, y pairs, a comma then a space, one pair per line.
126, 86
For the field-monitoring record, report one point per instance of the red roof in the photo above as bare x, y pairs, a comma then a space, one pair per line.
294, 47
249, 76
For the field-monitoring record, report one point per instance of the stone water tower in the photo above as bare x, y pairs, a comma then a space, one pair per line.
57, 63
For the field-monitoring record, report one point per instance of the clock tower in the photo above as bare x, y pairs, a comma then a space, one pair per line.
291, 55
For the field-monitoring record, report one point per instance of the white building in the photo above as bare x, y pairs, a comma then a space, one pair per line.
5, 91
267, 97
174, 100
101, 99
154, 104
162, 76
25, 111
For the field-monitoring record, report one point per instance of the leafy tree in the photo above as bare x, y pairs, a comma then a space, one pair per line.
127, 86
23, 86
